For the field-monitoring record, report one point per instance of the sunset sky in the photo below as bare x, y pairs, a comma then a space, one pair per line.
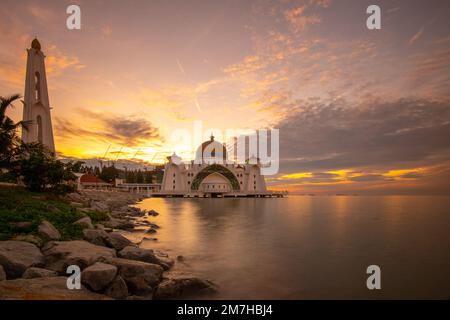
359, 111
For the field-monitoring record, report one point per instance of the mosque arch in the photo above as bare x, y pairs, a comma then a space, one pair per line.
215, 168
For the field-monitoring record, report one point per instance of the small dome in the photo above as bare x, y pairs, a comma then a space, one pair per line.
35, 44
211, 150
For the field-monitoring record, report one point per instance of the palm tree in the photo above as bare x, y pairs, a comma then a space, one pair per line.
8, 130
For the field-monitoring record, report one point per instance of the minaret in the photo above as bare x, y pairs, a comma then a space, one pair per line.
36, 107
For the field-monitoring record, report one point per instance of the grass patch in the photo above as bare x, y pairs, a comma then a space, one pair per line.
19, 205
97, 216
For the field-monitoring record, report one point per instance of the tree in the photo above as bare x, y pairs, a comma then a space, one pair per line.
36, 166
148, 177
76, 166
109, 173
130, 177
139, 177
8, 131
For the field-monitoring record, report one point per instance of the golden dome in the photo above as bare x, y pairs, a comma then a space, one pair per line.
35, 44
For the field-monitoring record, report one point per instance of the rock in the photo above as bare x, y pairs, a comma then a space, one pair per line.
117, 289
130, 269
17, 256
37, 241
117, 241
150, 231
99, 226
96, 236
161, 253
76, 204
60, 254
2, 274
184, 288
114, 223
138, 286
144, 255
137, 298
152, 213
119, 214
98, 276
83, 210
21, 226
54, 288
34, 272
48, 231
52, 208
153, 225
85, 223
99, 206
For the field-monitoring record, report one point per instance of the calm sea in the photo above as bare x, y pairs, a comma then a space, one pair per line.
305, 247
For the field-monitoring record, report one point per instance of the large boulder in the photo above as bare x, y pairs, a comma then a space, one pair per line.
85, 223
117, 289
118, 241
60, 254
17, 256
131, 271
34, 272
48, 231
98, 276
114, 223
2, 274
145, 255
54, 288
183, 288
139, 287
98, 237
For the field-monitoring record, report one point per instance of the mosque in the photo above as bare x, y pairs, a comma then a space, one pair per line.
211, 174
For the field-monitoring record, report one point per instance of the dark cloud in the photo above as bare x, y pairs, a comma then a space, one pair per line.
128, 131
406, 132
368, 177
131, 131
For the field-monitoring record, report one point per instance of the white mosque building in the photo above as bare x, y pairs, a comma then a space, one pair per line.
211, 174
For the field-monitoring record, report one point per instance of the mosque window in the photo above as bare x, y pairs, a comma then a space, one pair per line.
37, 80
39, 128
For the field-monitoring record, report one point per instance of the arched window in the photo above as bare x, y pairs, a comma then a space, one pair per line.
39, 128
37, 88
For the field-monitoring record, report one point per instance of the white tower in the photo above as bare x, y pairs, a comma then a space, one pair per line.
36, 107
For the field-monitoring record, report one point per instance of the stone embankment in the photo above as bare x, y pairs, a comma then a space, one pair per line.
112, 267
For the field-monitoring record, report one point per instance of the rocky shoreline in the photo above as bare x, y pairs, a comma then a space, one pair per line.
112, 267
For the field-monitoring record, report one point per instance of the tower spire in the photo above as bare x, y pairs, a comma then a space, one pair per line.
36, 109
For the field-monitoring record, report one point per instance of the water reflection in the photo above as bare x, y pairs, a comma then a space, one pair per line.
309, 247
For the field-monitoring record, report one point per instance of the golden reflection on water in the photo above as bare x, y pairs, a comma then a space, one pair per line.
309, 247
